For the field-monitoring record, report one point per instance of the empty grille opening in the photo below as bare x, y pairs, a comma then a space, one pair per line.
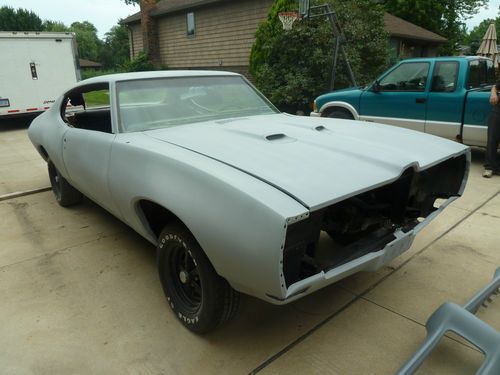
367, 222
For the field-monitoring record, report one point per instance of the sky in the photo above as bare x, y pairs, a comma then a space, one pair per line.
104, 14
491, 11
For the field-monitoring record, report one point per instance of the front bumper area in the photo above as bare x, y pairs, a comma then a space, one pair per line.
369, 262
367, 230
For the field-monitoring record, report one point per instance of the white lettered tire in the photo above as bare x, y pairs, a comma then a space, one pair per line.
199, 297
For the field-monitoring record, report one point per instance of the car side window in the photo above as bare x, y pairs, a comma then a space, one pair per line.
445, 76
88, 108
406, 77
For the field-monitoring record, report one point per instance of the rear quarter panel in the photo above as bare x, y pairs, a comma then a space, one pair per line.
47, 132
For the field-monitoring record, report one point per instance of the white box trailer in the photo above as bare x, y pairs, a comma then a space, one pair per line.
35, 68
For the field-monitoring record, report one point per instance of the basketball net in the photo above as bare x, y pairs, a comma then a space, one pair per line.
287, 19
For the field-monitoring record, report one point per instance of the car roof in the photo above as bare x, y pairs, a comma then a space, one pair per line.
154, 74
447, 58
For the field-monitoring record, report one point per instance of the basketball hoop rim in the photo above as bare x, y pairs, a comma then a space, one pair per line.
289, 14
288, 19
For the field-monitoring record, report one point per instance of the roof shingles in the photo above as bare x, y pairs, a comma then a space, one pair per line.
398, 27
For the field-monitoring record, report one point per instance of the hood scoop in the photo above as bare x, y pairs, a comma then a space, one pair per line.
280, 138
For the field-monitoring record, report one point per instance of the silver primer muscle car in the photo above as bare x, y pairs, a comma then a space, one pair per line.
236, 196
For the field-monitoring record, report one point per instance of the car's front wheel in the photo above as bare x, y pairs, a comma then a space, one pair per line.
66, 195
199, 297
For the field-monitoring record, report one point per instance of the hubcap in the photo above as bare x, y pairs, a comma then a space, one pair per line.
186, 277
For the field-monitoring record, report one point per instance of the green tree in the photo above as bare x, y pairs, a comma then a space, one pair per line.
293, 67
89, 44
115, 49
54, 26
444, 17
19, 20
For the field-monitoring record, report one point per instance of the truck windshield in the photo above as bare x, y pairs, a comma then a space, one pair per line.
481, 73
164, 102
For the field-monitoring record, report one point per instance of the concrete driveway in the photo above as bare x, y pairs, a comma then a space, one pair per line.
80, 294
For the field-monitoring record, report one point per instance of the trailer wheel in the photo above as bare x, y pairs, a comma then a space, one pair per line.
66, 195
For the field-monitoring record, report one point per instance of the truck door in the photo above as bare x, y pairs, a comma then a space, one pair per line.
478, 108
399, 98
445, 101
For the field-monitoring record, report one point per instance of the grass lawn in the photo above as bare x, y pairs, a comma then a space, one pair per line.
97, 98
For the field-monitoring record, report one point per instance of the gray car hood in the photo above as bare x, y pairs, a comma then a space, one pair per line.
316, 161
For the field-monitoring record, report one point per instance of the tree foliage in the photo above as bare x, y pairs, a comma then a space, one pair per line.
115, 49
444, 17
89, 44
19, 20
55, 26
112, 52
293, 67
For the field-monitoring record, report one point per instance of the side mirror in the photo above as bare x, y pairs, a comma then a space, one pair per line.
376, 86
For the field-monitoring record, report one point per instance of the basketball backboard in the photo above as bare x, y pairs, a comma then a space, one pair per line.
304, 6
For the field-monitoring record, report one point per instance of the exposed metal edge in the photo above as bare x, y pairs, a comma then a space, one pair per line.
18, 194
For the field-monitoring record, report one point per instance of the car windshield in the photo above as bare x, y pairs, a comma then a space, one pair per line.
164, 102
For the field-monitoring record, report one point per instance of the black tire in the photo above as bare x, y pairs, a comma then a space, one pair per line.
66, 195
199, 298
340, 113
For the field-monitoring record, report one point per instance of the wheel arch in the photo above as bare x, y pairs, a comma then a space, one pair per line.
331, 106
155, 216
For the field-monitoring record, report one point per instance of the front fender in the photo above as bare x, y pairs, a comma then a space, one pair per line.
239, 221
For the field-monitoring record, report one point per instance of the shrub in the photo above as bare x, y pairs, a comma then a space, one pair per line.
293, 67
141, 63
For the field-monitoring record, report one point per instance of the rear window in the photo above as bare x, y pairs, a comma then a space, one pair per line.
481, 73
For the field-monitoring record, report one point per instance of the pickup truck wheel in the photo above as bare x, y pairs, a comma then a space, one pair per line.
66, 195
340, 113
199, 297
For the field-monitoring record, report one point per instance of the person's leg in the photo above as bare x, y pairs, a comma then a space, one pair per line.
492, 145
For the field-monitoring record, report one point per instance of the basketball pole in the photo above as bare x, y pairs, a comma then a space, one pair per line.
326, 11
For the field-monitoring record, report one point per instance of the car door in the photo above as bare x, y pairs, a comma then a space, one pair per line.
399, 98
87, 147
445, 101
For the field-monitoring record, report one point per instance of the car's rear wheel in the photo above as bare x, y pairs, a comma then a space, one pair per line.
199, 297
66, 195
340, 113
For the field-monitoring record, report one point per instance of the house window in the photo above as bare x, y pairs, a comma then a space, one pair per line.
190, 24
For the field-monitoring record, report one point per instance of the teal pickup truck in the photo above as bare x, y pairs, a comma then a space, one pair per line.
444, 96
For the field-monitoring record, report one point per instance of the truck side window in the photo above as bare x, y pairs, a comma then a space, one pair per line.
445, 76
481, 73
406, 77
